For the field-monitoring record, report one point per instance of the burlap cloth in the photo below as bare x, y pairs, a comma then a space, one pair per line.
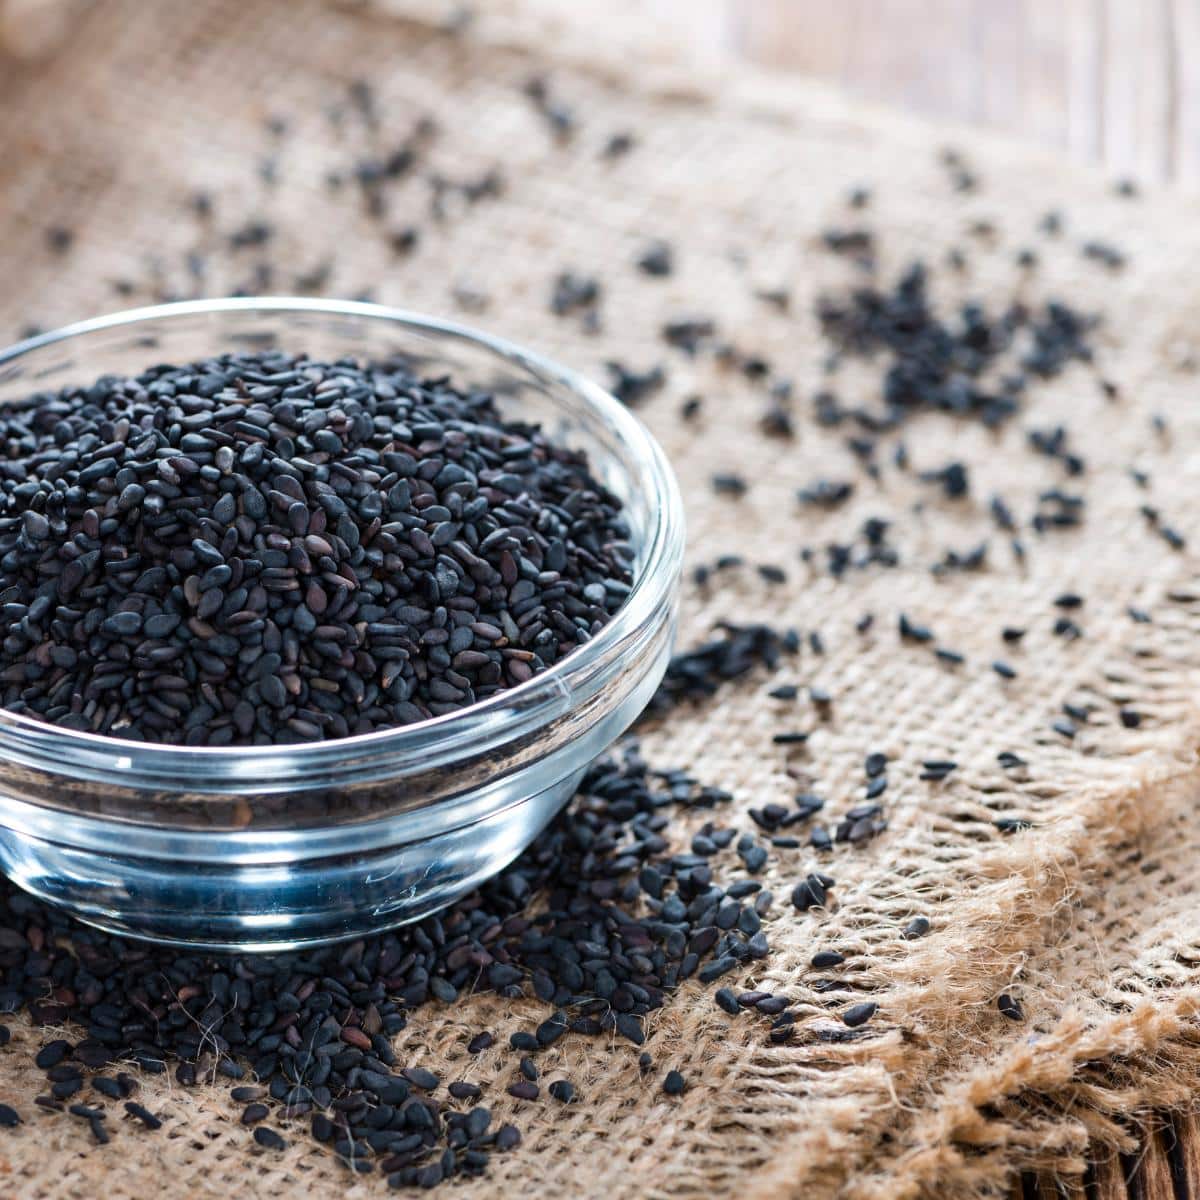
1089, 917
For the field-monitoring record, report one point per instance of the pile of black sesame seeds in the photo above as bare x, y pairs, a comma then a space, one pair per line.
260, 549
600, 919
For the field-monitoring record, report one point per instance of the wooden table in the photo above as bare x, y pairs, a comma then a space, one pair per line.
1111, 82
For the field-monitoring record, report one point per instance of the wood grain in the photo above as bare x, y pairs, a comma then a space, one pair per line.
1110, 82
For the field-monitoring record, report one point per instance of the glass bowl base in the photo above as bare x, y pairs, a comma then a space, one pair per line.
277, 906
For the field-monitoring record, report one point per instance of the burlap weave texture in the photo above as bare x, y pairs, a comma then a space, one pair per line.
1088, 915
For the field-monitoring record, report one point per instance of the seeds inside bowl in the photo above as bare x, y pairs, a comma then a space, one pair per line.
263, 548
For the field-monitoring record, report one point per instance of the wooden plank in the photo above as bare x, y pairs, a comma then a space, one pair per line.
1115, 82
998, 49
1165, 1167
1030, 1187
1085, 45
1185, 40
815, 39
1148, 1173
1045, 92
1185, 1156
930, 66
1106, 1179
703, 26
1138, 90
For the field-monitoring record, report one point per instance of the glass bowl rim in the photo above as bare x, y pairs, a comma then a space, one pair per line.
507, 714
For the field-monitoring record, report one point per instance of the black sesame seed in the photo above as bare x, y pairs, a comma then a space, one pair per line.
421, 1078
1104, 253
859, 1014
1009, 1007
674, 1083
657, 259
913, 632
1011, 824
618, 145
936, 769
810, 892
60, 239
631, 387
824, 959
52, 1053
793, 738
630, 1026
147, 1118
729, 485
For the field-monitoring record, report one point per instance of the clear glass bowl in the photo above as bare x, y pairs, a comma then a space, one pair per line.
270, 847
